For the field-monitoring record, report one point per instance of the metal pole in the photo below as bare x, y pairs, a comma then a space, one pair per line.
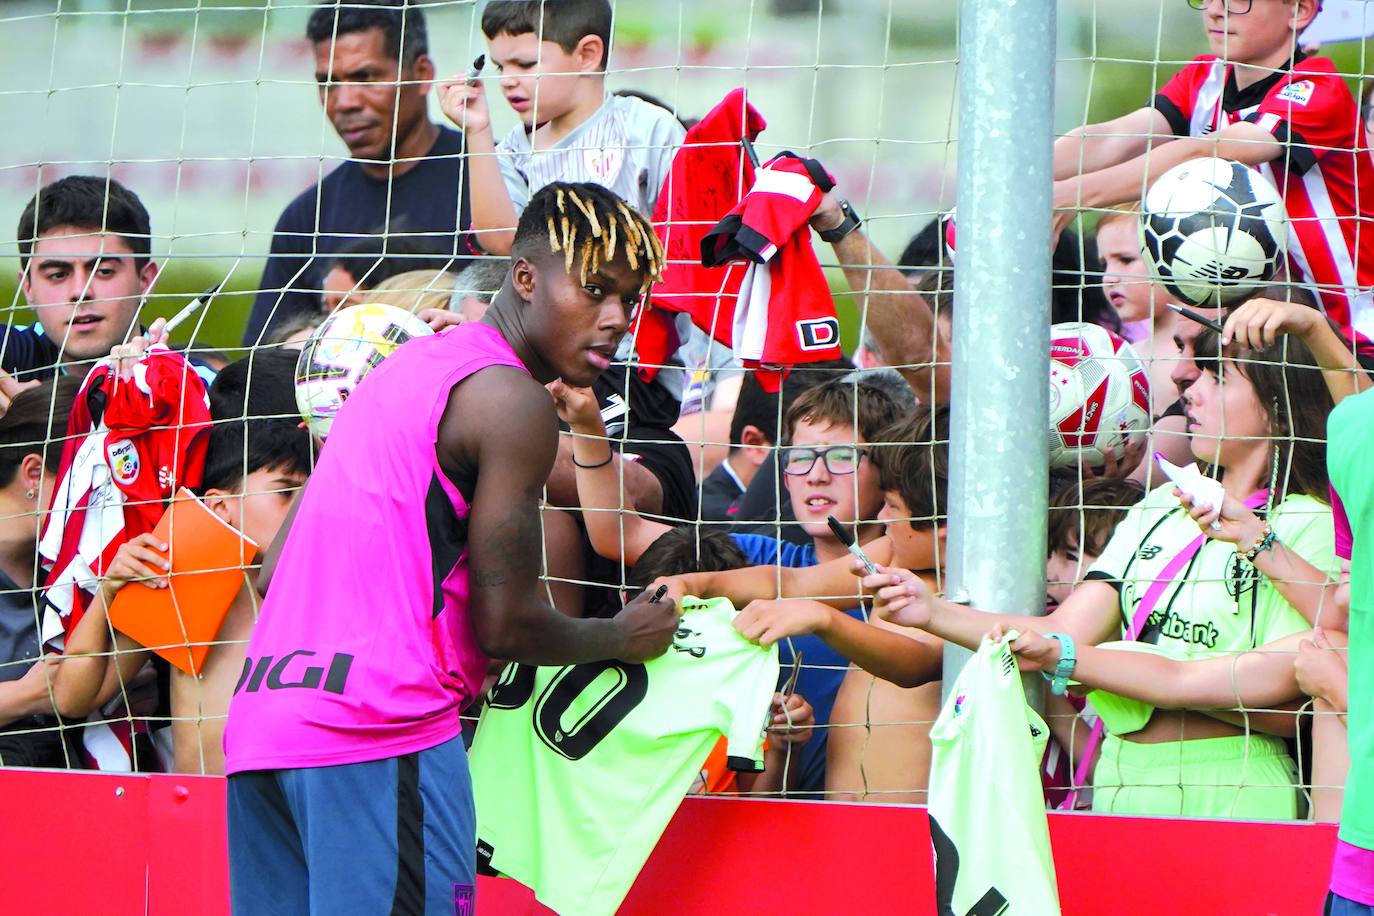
999, 461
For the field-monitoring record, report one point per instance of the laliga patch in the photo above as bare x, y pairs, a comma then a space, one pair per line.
123, 460
1299, 93
604, 164
818, 333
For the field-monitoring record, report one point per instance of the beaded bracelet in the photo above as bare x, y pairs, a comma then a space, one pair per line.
1263, 543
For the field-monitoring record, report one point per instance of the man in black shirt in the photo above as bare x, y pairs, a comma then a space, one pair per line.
405, 173
84, 245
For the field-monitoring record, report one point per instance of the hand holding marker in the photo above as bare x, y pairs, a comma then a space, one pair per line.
850, 544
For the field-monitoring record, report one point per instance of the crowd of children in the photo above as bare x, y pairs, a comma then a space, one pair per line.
1208, 641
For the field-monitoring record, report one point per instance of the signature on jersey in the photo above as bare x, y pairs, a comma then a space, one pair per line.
697, 651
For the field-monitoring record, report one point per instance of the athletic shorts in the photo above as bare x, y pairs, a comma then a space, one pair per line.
1336, 905
393, 836
1251, 778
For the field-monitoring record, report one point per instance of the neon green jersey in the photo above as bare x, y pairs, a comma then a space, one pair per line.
577, 770
1220, 603
1350, 442
987, 809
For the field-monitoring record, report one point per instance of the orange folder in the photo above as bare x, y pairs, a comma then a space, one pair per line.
208, 556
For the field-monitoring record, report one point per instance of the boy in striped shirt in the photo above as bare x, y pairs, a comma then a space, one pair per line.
1259, 100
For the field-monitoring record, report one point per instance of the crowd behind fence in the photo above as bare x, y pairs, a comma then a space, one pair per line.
714, 474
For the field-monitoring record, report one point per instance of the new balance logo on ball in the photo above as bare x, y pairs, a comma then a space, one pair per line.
1216, 270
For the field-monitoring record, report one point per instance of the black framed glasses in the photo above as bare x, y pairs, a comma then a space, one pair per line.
798, 460
1233, 7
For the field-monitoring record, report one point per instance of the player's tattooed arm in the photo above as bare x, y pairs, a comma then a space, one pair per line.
515, 544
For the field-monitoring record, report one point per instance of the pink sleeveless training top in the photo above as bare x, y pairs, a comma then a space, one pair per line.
364, 648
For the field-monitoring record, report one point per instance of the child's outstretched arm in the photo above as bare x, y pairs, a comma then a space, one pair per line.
1118, 184
615, 530
1089, 615
98, 661
1094, 147
829, 583
907, 661
1259, 679
464, 102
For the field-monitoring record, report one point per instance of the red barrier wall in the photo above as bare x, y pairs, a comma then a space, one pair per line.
85, 843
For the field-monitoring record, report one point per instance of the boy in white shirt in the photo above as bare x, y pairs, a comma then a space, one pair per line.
551, 57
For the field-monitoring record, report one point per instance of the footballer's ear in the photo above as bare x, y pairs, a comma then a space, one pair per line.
523, 277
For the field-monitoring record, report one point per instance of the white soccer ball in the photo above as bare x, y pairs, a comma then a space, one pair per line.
1099, 394
1213, 231
341, 352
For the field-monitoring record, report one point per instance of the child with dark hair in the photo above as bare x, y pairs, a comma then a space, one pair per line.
1082, 518
30, 451
365, 263
551, 55
262, 385
683, 550
255, 464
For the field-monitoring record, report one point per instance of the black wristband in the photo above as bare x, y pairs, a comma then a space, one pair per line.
847, 225
599, 464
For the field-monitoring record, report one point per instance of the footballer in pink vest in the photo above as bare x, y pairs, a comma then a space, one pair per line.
412, 555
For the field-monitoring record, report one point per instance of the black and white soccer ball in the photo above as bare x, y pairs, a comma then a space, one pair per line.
1212, 231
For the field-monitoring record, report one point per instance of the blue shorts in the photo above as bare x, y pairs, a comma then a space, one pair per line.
1336, 905
394, 836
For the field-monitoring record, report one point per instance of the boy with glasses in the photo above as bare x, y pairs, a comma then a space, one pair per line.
827, 470
1259, 100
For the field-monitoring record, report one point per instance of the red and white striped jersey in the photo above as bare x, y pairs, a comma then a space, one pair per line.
1325, 174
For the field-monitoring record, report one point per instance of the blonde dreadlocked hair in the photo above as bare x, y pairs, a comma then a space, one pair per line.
590, 226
